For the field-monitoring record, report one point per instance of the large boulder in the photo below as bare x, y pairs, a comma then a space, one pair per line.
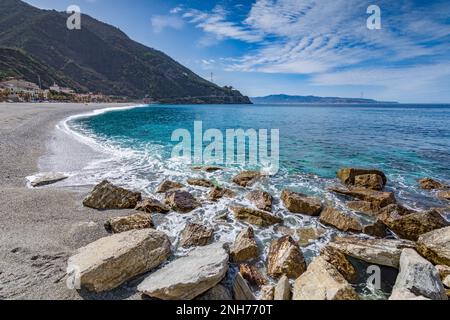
217, 293
419, 277
107, 196
245, 247
385, 252
108, 262
412, 225
182, 201
188, 277
378, 199
219, 192
133, 222
285, 258
282, 289
348, 175
322, 282
364, 207
253, 276
340, 220
375, 229
241, 290
299, 203
168, 185
435, 246
261, 199
246, 178
195, 234
369, 181
257, 217
150, 205
200, 183
47, 178
340, 262
431, 184
308, 235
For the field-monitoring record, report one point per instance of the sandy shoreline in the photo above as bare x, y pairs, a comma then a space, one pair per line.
40, 228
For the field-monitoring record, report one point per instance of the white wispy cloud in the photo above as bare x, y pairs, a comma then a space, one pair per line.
161, 22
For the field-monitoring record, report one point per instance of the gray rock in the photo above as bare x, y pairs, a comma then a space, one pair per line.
107, 196
133, 222
218, 292
282, 289
261, 199
182, 201
47, 178
195, 234
168, 185
241, 290
152, 206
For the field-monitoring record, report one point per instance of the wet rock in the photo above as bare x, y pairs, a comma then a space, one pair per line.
444, 274
241, 290
246, 178
257, 217
308, 235
419, 277
395, 210
340, 220
188, 277
299, 203
322, 282
369, 181
385, 252
219, 193
200, 183
267, 293
134, 222
375, 229
348, 175
216, 293
181, 201
444, 195
261, 199
47, 178
282, 289
435, 246
285, 230
245, 247
365, 207
107, 196
378, 199
285, 258
168, 185
149, 205
108, 262
252, 275
412, 225
196, 235
340, 262
431, 184
207, 168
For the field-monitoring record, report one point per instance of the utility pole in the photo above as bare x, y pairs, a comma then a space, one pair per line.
212, 77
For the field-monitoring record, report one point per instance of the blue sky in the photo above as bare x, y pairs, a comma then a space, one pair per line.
318, 47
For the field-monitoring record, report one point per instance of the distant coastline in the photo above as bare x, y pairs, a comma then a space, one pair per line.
288, 99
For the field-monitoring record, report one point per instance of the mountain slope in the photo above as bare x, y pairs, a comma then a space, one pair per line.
287, 99
101, 58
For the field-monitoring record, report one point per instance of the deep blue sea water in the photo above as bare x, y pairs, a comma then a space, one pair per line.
407, 142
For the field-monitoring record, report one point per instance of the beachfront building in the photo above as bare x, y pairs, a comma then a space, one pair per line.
58, 89
21, 90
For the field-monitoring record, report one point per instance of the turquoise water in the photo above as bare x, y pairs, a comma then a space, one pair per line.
407, 142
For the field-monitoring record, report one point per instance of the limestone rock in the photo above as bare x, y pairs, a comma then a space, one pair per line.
257, 217
375, 229
261, 199
282, 289
181, 201
107, 196
340, 262
369, 181
134, 222
322, 281
108, 262
444, 274
47, 178
435, 246
340, 220
252, 275
308, 235
168, 185
149, 205
187, 277
405, 295
378, 199
267, 293
219, 193
419, 277
285, 258
444, 195
241, 290
246, 178
348, 175
385, 252
216, 293
431, 184
365, 207
245, 247
200, 183
299, 203
196, 235
412, 225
